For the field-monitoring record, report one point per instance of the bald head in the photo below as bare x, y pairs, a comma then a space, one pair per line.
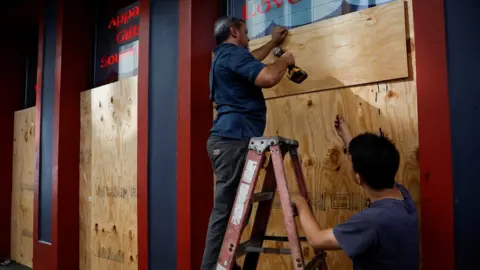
222, 29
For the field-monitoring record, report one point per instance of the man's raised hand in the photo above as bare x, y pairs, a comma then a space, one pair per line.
341, 126
278, 35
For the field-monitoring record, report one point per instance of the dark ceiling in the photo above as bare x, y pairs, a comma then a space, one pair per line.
20, 17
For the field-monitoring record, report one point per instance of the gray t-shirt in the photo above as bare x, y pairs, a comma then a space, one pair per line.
383, 236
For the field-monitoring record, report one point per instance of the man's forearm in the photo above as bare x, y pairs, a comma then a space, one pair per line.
262, 52
316, 237
307, 220
346, 140
277, 70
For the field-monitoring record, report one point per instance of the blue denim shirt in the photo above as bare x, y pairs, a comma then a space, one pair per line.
241, 109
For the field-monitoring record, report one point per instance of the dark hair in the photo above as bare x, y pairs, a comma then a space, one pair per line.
375, 159
222, 28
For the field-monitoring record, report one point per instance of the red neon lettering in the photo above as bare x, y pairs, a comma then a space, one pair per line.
278, 3
113, 23
128, 34
267, 8
245, 15
124, 18
109, 60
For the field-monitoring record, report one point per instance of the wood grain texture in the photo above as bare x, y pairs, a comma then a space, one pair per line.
23, 186
358, 48
387, 105
108, 177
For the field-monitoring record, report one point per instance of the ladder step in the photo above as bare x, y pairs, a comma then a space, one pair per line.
251, 246
263, 196
254, 246
274, 181
268, 250
281, 238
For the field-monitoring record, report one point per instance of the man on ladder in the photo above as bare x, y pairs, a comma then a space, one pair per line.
237, 77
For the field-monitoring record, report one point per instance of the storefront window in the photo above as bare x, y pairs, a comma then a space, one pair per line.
116, 54
262, 15
31, 87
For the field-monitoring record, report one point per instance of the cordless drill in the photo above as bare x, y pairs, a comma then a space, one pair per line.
294, 73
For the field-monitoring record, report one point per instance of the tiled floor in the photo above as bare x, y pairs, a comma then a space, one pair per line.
15, 267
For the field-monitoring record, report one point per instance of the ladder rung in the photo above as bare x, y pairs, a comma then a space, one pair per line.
254, 246
267, 250
281, 238
263, 196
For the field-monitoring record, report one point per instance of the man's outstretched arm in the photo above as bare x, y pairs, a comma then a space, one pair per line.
244, 64
278, 36
262, 52
316, 237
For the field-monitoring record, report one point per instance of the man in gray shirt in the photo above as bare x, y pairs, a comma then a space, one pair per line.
383, 236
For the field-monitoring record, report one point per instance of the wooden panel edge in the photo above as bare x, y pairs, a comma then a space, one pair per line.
387, 69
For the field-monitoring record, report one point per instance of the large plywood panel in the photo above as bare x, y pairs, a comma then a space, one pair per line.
23, 187
389, 107
108, 177
357, 48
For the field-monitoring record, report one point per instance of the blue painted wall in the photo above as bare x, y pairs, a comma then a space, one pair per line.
162, 177
463, 44
46, 131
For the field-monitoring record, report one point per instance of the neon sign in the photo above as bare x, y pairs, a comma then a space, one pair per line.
128, 34
117, 45
124, 18
113, 59
124, 35
264, 6
262, 15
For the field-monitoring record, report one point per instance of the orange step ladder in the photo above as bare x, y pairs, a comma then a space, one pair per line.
274, 179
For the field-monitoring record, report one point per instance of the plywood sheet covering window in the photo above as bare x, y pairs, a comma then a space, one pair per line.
387, 106
23, 187
108, 177
358, 48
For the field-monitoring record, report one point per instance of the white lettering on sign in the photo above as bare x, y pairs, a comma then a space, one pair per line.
249, 171
240, 203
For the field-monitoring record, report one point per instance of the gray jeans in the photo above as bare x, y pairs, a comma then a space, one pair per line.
228, 158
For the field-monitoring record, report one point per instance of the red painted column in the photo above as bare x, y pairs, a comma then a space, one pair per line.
73, 73
142, 135
195, 115
434, 136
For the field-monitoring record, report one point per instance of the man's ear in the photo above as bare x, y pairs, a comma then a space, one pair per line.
234, 32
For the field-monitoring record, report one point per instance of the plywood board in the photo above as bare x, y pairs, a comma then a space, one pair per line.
389, 106
108, 177
358, 48
23, 186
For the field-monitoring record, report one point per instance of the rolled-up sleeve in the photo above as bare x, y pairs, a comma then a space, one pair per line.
244, 64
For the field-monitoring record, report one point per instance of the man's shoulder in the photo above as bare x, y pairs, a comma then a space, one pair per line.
387, 210
228, 49
227, 54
